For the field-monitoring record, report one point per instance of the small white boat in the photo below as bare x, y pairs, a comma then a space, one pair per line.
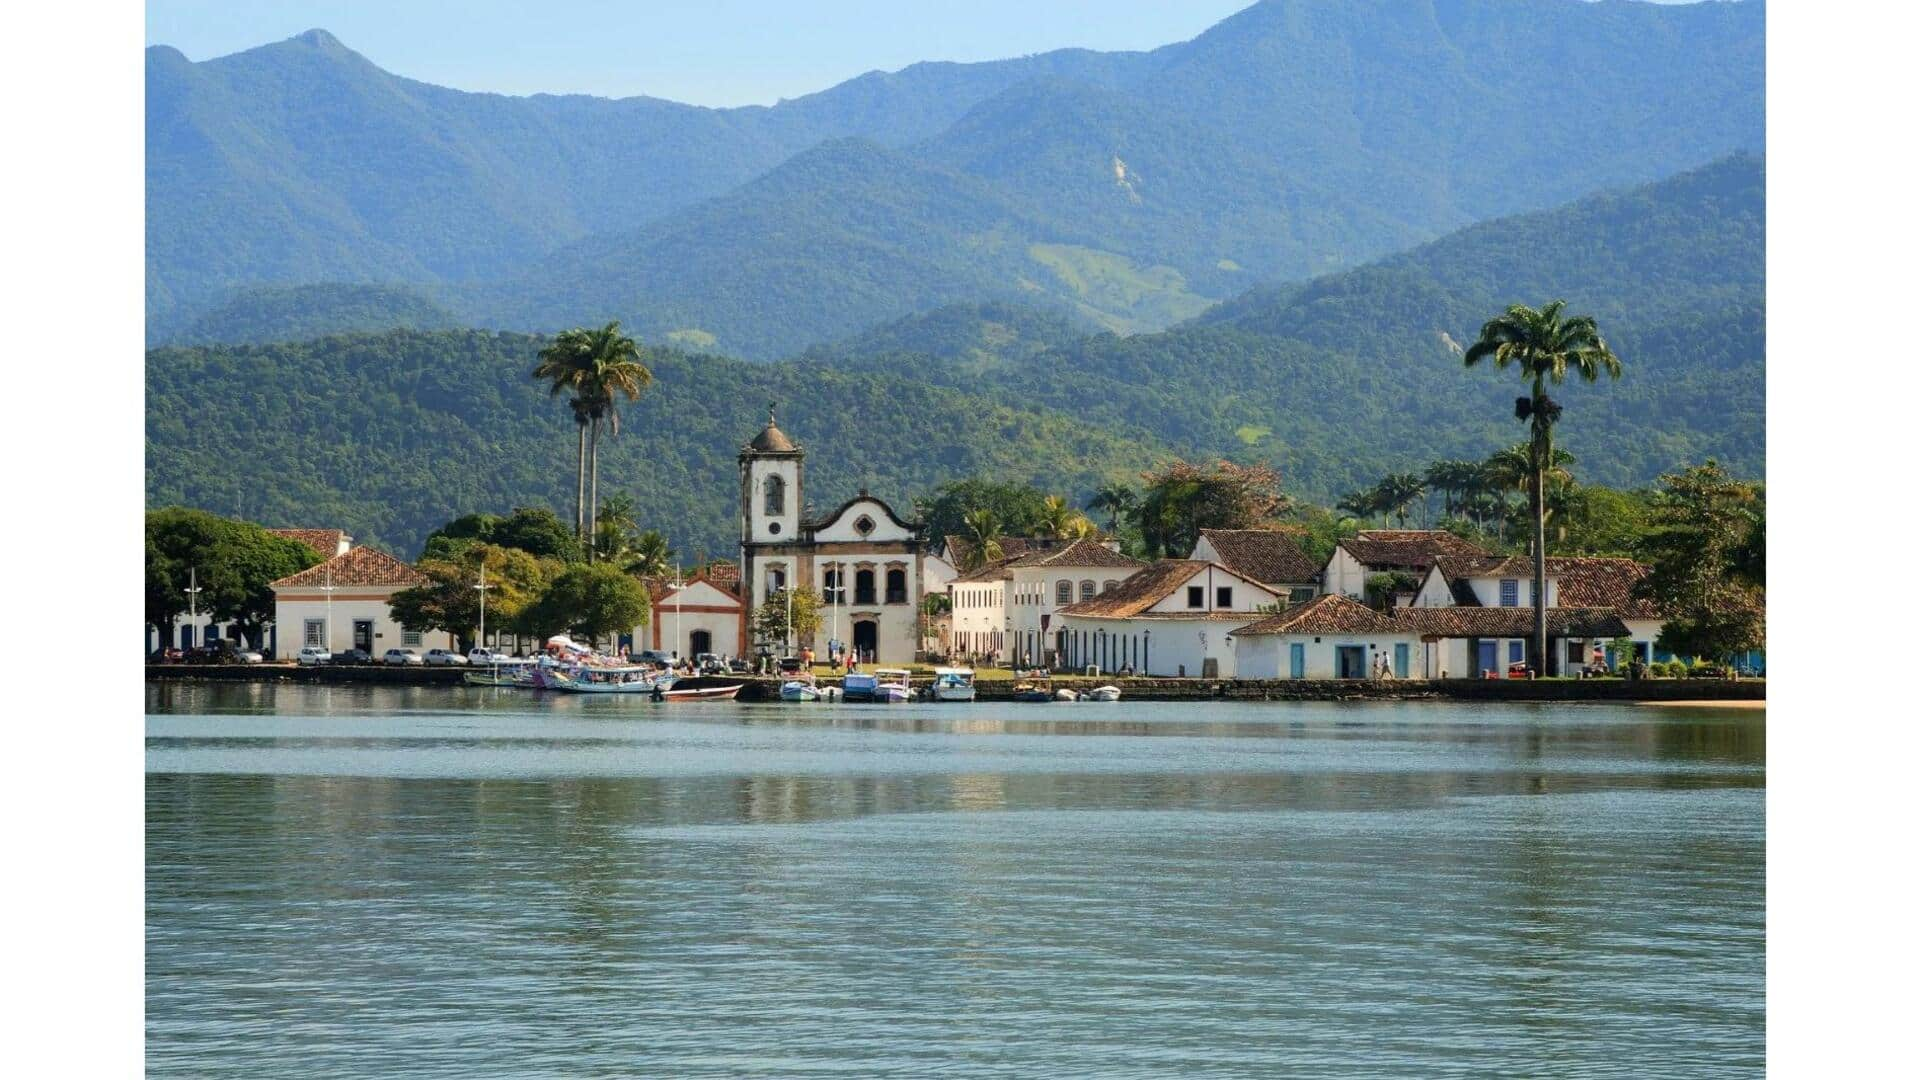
510, 673
681, 691
953, 684
799, 690
1064, 694
893, 685
595, 680
1102, 693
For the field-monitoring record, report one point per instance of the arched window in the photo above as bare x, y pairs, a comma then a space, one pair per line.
834, 590
1086, 589
1063, 593
776, 496
1108, 585
863, 586
896, 586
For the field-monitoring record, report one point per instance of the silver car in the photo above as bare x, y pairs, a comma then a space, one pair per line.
445, 658
401, 656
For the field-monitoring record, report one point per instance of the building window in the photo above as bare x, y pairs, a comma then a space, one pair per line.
1299, 596
1109, 585
1516, 651
896, 586
1063, 593
776, 579
315, 628
1086, 590
863, 586
410, 638
834, 590
1509, 592
776, 501
1223, 596
863, 525
1196, 596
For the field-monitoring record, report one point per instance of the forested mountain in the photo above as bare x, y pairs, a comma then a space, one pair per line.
1343, 378
1134, 189
390, 435
299, 312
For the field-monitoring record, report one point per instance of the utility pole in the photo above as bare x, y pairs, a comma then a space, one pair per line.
483, 587
327, 588
193, 597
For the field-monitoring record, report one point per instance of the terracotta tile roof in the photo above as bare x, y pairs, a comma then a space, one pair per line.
359, 566
959, 547
1330, 614
1583, 582
1140, 591
1082, 552
1268, 556
992, 571
723, 573
326, 542
1406, 549
1510, 622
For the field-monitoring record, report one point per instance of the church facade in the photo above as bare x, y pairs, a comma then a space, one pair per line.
867, 564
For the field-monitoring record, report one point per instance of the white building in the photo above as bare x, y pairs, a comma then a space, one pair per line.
1007, 607
1476, 613
1406, 554
344, 603
867, 564
1171, 618
197, 628
1269, 556
1328, 637
697, 616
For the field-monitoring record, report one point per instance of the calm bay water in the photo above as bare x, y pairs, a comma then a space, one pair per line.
433, 882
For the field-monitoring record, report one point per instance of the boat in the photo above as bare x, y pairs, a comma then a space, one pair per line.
1064, 694
698, 688
803, 688
1102, 693
895, 684
953, 684
859, 685
1034, 686
507, 673
595, 680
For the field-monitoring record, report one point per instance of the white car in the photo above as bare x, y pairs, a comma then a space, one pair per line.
401, 656
445, 658
315, 654
482, 656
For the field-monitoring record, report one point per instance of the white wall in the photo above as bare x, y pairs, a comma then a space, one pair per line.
291, 617
1269, 656
1032, 600
1344, 576
1164, 645
760, 523
979, 614
1248, 596
841, 530
1487, 590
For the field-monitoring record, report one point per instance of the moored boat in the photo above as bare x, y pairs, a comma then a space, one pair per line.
803, 688
595, 680
894, 685
1064, 694
1102, 693
507, 673
1034, 686
953, 684
859, 685
699, 689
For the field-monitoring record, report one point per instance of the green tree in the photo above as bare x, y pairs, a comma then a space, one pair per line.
650, 556
1019, 508
562, 367
1059, 520
770, 621
1397, 492
611, 370
1703, 521
232, 563
1117, 501
451, 600
1545, 348
591, 599
1181, 498
984, 534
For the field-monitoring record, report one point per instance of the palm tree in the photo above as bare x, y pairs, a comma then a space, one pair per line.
1118, 500
983, 529
1453, 480
1396, 493
1545, 347
595, 365
1361, 504
1061, 521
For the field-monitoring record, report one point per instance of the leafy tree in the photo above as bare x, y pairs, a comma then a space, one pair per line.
611, 369
1453, 480
1703, 522
650, 556
1544, 347
1182, 498
451, 601
1596, 520
231, 562
1117, 501
1019, 508
1058, 519
770, 622
562, 367
1397, 492
537, 530
984, 533
593, 599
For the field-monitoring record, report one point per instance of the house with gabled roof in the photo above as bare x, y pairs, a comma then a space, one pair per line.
1475, 612
1404, 553
692, 617
1007, 606
1328, 637
1172, 617
1273, 557
345, 602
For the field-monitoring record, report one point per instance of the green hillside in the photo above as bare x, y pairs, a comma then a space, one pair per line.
1295, 138
389, 435
299, 312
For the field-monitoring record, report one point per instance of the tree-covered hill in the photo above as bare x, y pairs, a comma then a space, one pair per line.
299, 312
1294, 138
1344, 378
390, 435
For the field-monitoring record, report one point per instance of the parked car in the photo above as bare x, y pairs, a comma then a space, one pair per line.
482, 655
353, 656
444, 658
658, 657
226, 651
401, 656
739, 666
165, 655
314, 654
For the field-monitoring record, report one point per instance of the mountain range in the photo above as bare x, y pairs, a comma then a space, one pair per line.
1337, 380
298, 187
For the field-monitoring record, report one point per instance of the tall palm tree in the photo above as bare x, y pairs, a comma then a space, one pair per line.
610, 368
1397, 492
1545, 347
560, 369
649, 556
1118, 500
983, 529
1453, 480
1361, 504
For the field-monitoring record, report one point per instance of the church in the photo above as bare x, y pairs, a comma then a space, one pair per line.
867, 564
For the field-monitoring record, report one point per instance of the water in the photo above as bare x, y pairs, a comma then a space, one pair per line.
431, 882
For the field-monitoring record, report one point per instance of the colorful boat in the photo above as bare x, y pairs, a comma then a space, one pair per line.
953, 684
586, 679
859, 685
893, 685
699, 688
1035, 686
517, 674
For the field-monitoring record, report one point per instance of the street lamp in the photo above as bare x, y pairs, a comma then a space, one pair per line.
327, 588
482, 589
193, 596
1146, 652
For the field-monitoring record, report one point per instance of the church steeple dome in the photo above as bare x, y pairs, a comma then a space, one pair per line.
771, 439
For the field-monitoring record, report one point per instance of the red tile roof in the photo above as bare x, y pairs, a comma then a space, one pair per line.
359, 566
959, 547
1510, 622
1268, 556
1584, 582
324, 542
1082, 552
1330, 614
1407, 549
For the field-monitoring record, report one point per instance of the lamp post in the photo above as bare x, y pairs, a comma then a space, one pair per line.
677, 586
327, 589
1146, 652
193, 596
482, 589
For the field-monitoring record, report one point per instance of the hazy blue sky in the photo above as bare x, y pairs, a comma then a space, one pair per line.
710, 52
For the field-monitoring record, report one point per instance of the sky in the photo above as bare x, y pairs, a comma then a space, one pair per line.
710, 52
